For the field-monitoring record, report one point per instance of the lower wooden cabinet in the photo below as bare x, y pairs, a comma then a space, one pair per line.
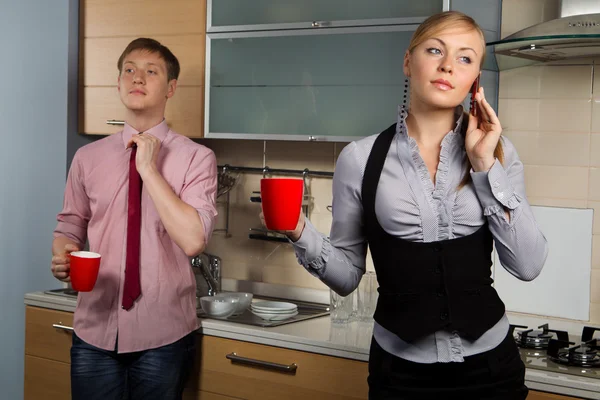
225, 369
201, 395
533, 395
47, 354
254, 371
46, 379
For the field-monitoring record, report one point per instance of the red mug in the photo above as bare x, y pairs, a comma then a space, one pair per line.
281, 200
84, 270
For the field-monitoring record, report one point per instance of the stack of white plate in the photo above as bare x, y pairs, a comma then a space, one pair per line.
274, 310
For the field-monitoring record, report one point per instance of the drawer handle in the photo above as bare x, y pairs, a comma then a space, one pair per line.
320, 24
63, 327
264, 364
115, 122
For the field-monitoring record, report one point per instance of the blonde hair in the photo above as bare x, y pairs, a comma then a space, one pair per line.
432, 27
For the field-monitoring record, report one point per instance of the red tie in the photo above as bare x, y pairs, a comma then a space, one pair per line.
131, 288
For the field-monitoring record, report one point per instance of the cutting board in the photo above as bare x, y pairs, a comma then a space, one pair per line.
563, 287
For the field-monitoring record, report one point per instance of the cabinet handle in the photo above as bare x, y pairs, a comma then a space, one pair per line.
264, 364
320, 24
63, 327
115, 122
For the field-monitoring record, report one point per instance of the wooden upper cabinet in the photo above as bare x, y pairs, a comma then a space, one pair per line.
108, 26
100, 57
110, 18
102, 103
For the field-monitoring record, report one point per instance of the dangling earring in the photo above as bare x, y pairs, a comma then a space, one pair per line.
404, 107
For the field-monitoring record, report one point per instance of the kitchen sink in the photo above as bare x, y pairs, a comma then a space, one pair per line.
306, 310
64, 292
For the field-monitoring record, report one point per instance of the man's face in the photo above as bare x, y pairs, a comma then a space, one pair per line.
143, 83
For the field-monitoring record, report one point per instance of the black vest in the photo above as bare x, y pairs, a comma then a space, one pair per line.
426, 287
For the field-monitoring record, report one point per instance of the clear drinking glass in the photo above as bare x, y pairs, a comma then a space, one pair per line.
367, 296
340, 307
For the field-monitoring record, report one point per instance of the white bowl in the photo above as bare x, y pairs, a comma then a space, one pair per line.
215, 306
244, 300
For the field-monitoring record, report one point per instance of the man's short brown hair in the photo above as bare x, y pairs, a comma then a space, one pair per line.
152, 46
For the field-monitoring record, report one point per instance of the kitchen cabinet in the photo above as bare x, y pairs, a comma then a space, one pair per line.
47, 354
533, 395
201, 395
326, 85
46, 379
47, 367
315, 377
107, 26
240, 15
327, 72
256, 372
336, 84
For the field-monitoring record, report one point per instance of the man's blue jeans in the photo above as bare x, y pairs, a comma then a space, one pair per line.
160, 373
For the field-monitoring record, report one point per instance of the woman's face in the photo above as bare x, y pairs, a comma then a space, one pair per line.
443, 68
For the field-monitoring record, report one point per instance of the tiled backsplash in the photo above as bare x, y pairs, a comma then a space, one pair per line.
257, 260
550, 113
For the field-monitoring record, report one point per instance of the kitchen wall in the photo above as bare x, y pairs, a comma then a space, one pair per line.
551, 113
39, 60
256, 260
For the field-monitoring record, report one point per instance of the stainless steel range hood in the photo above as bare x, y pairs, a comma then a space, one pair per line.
575, 35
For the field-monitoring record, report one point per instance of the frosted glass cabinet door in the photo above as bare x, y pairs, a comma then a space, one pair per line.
243, 15
338, 86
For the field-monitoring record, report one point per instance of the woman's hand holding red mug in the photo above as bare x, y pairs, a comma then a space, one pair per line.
281, 203
295, 234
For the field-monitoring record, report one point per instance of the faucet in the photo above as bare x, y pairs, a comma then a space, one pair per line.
210, 267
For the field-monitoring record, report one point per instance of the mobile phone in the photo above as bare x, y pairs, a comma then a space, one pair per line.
473, 104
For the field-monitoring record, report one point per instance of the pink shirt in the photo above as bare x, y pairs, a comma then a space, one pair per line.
95, 204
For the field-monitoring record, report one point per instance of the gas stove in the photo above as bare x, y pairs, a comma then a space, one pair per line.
552, 350
584, 354
534, 339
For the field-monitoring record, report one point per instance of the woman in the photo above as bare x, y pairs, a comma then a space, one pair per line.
429, 196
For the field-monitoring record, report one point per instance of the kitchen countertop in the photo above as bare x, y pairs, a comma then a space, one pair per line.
317, 335
350, 341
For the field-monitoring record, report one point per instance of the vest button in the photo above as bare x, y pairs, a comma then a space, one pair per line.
443, 315
441, 293
437, 247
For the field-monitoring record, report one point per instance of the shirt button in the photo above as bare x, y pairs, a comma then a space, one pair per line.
500, 195
496, 185
443, 315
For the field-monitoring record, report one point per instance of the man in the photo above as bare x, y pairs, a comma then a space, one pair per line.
135, 331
